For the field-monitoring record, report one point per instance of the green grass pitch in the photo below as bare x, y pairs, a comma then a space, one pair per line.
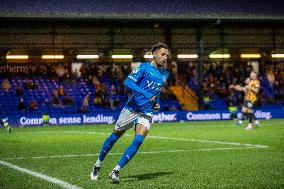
213, 154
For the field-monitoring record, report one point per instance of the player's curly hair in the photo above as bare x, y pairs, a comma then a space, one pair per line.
158, 46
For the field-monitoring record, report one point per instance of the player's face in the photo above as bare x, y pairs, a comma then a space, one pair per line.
253, 76
161, 57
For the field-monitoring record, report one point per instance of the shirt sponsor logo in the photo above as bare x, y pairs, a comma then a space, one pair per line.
154, 85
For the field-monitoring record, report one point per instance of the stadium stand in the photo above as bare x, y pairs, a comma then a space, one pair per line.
62, 95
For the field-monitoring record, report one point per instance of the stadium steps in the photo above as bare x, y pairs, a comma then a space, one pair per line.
186, 97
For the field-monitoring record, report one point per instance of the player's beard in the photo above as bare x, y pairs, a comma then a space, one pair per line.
161, 64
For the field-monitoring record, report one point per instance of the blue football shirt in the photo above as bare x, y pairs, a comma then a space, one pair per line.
150, 79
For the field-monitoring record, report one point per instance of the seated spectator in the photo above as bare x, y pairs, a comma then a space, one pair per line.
85, 105
106, 102
22, 105
55, 99
33, 104
114, 103
166, 107
6, 86
98, 100
27, 84
46, 101
19, 91
61, 91
103, 89
164, 94
68, 101
33, 85
112, 91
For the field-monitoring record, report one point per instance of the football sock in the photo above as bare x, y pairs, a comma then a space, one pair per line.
108, 144
250, 115
117, 168
98, 163
253, 116
257, 122
131, 150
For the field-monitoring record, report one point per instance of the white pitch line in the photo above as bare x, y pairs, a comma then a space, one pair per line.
209, 141
180, 139
49, 179
120, 153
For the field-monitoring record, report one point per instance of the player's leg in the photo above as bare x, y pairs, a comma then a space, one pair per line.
240, 118
250, 117
108, 144
124, 122
142, 129
244, 114
256, 122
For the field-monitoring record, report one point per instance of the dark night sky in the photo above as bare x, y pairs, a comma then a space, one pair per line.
146, 8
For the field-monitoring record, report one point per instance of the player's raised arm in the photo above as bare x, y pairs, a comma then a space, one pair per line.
237, 87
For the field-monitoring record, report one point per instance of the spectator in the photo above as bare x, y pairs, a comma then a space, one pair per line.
33, 85
270, 77
33, 104
164, 94
27, 84
60, 71
97, 84
55, 99
83, 70
68, 101
19, 91
77, 74
85, 105
61, 91
22, 105
89, 81
6, 86
106, 102
112, 92
98, 100
46, 101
